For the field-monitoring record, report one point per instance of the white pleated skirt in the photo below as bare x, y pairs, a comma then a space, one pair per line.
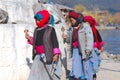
38, 71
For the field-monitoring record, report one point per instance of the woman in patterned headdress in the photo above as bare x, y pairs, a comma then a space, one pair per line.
81, 39
46, 50
98, 44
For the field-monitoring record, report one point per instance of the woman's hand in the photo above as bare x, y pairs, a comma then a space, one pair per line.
55, 58
27, 36
102, 49
62, 29
26, 31
88, 52
63, 35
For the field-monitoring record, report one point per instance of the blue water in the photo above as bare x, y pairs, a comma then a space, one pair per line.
112, 40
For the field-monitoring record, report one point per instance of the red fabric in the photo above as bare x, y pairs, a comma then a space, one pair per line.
40, 49
92, 23
75, 34
45, 19
56, 51
75, 44
74, 15
30, 41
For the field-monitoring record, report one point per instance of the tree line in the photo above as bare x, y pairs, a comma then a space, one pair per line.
101, 16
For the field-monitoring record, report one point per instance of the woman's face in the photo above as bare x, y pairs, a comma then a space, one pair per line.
73, 21
39, 23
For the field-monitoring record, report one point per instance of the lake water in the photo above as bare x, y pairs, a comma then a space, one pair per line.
112, 40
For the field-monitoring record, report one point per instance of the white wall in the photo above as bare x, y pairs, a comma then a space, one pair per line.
19, 12
14, 51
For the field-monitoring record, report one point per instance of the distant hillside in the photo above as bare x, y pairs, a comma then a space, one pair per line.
111, 5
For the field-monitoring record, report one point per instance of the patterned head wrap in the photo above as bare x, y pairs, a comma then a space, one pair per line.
77, 16
43, 16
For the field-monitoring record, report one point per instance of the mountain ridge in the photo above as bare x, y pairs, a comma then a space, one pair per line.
110, 5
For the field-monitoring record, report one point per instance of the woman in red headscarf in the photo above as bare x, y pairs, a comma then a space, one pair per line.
81, 39
98, 44
45, 48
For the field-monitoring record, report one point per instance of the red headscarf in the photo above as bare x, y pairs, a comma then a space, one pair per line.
92, 23
74, 15
77, 16
44, 20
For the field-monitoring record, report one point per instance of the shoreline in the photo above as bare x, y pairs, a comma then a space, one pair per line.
109, 68
106, 28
